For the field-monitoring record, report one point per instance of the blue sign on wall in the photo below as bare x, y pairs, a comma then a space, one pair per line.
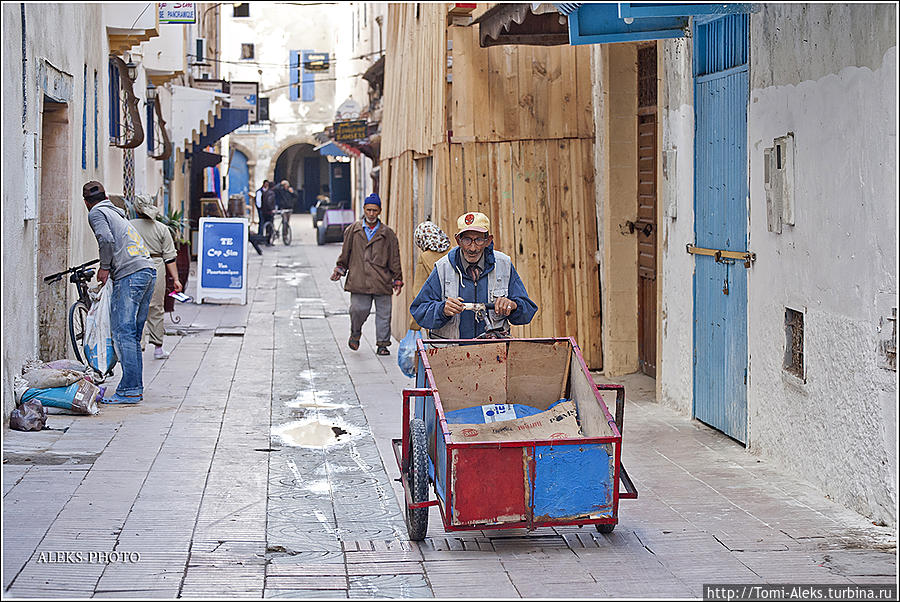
222, 260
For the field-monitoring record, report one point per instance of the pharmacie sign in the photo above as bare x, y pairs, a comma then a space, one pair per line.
177, 12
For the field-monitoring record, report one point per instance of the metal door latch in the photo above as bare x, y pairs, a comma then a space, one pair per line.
722, 256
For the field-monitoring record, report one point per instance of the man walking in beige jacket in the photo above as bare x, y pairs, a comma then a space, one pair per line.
370, 258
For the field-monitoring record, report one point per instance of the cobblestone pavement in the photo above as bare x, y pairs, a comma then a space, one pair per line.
259, 465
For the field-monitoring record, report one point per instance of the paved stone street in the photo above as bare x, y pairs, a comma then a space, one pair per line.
259, 465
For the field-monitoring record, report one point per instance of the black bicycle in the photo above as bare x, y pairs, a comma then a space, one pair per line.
80, 276
283, 229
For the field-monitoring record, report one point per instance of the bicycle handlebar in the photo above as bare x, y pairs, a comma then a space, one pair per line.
59, 275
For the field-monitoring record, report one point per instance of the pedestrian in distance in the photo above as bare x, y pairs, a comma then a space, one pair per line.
260, 193
370, 259
267, 210
125, 259
433, 244
158, 240
283, 197
472, 272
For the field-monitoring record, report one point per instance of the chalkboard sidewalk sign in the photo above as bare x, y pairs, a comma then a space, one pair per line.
222, 259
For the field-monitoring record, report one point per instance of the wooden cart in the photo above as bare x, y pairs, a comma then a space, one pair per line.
513, 482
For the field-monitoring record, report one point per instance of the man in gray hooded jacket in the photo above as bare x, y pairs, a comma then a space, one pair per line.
124, 258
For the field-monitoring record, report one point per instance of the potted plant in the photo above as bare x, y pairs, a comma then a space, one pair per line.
174, 220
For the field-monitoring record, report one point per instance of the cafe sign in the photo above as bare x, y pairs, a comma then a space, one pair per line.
347, 131
177, 12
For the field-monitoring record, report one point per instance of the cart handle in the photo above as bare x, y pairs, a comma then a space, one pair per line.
620, 402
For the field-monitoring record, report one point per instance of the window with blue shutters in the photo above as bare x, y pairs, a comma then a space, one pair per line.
114, 103
303, 82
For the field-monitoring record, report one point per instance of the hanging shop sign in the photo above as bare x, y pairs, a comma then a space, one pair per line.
316, 61
177, 12
222, 259
244, 96
346, 131
210, 85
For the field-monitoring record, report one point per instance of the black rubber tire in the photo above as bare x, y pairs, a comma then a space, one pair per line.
417, 479
606, 528
286, 236
320, 235
77, 318
270, 233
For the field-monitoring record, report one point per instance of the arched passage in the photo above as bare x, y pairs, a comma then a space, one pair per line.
306, 170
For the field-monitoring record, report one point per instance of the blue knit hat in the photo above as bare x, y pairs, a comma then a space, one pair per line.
373, 199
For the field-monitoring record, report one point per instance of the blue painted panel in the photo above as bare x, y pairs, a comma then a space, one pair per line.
340, 182
308, 84
84, 127
600, 24
573, 481
113, 101
721, 90
294, 74
149, 137
239, 176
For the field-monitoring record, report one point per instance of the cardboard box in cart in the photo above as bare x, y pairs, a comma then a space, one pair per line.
527, 472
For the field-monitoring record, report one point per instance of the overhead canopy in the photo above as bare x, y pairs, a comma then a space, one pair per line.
230, 120
522, 23
330, 149
597, 23
192, 111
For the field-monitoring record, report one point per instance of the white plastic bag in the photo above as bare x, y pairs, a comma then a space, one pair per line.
98, 342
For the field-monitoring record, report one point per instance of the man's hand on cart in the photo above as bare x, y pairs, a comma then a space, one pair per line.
453, 306
504, 306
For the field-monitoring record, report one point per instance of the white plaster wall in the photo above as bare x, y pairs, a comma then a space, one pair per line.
675, 368
276, 29
79, 38
838, 263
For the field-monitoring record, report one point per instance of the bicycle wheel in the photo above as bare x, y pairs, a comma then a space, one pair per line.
77, 318
270, 234
286, 236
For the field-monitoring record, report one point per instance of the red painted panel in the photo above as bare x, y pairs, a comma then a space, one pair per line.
489, 485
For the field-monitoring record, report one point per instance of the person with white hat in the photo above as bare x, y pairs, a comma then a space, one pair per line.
473, 272
158, 240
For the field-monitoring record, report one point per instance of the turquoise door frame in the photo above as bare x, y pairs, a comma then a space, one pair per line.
721, 92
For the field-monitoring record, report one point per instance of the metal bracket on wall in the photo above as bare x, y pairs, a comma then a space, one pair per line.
722, 256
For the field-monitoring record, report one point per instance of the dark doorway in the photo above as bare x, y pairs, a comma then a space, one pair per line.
646, 208
302, 167
53, 229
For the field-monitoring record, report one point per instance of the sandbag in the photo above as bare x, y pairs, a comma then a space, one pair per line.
46, 378
29, 416
66, 364
98, 342
81, 397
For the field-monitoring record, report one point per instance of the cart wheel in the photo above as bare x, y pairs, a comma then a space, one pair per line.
417, 479
606, 528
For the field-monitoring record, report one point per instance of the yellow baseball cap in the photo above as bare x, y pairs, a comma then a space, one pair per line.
478, 222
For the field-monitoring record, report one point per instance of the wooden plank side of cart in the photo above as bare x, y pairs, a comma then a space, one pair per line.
519, 483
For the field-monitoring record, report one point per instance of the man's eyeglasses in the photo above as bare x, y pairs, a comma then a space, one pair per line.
468, 240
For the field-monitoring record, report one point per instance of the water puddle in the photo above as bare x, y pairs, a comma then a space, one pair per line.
315, 432
293, 278
315, 400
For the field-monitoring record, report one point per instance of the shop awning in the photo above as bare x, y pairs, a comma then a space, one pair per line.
597, 23
522, 23
330, 149
192, 112
224, 124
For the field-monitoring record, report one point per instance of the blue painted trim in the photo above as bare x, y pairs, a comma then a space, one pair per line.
149, 128
600, 24
294, 74
96, 122
84, 121
641, 10
113, 102
720, 74
24, 70
308, 85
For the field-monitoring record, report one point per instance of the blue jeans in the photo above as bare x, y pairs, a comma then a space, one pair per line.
129, 305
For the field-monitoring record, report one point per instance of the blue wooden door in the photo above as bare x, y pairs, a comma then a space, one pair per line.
721, 90
239, 177
340, 183
311, 181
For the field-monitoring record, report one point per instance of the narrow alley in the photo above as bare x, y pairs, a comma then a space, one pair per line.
260, 465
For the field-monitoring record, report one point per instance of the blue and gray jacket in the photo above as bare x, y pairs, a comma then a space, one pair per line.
448, 279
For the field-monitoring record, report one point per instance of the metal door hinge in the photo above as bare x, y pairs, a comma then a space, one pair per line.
722, 256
